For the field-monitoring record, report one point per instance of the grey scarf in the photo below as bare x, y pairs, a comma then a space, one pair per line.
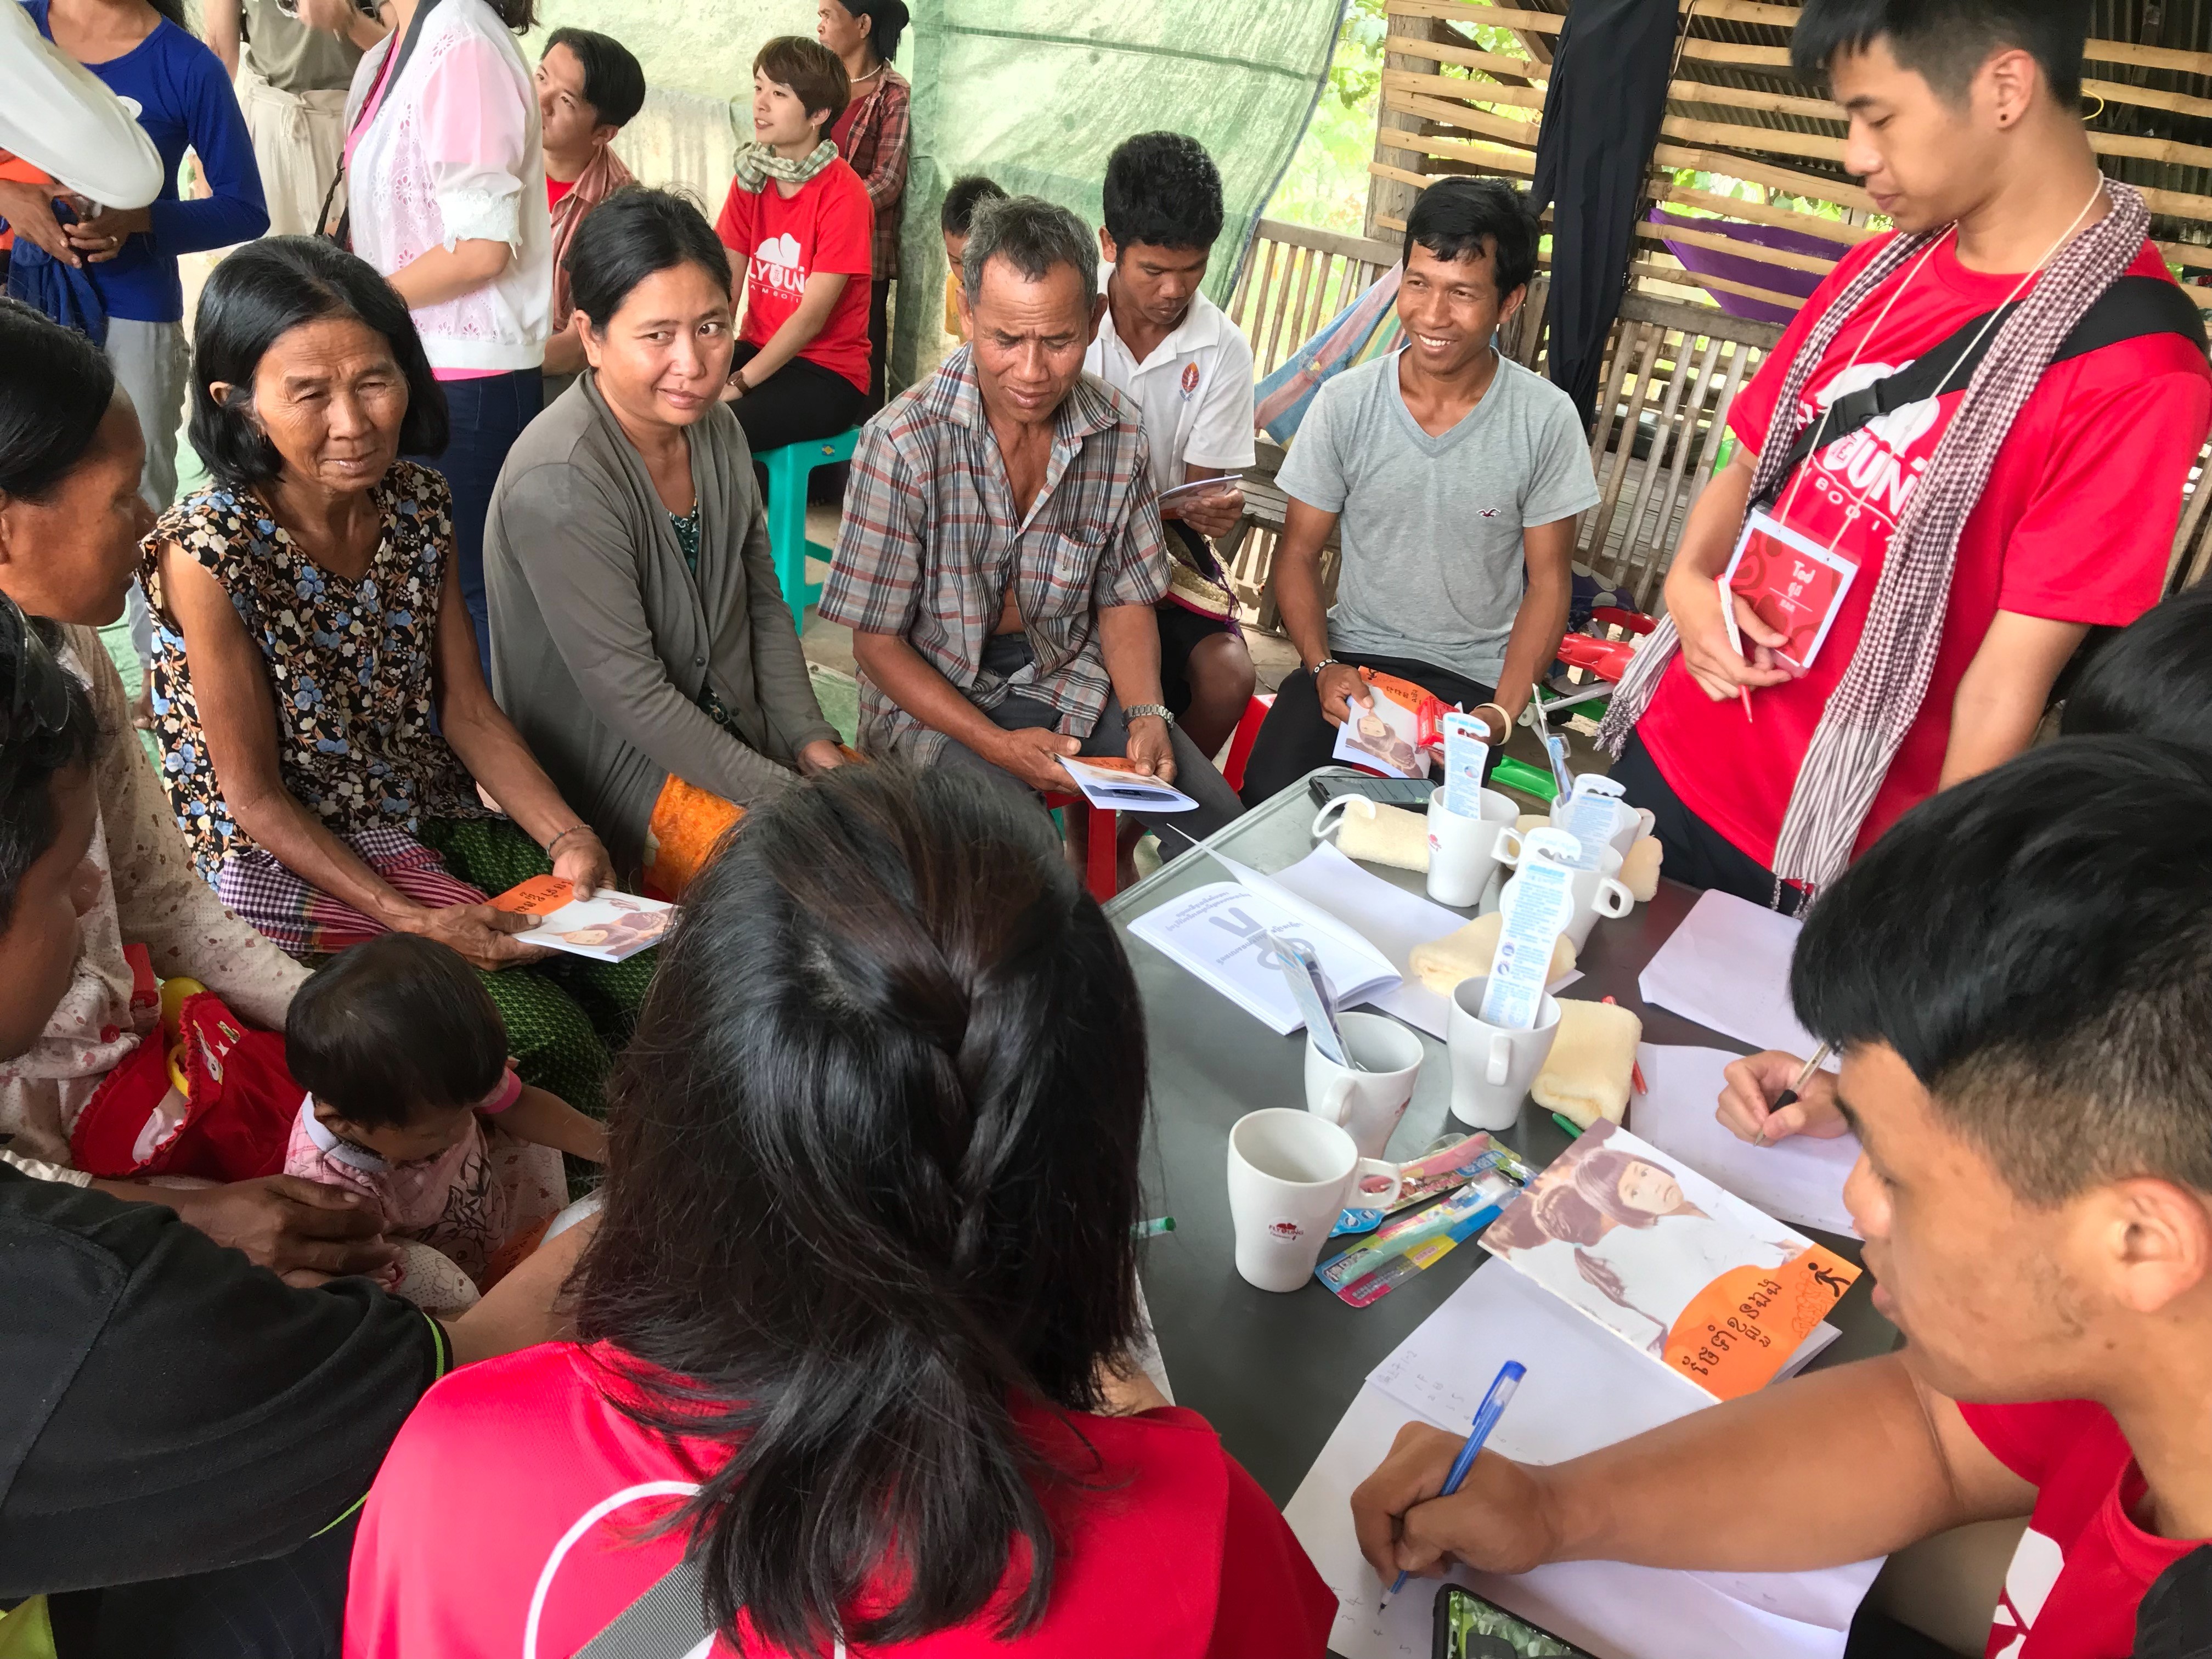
755, 164
1875, 704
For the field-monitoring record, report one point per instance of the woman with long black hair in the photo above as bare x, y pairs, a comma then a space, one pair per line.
852, 1323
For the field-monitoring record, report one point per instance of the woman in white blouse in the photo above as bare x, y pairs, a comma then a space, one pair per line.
446, 190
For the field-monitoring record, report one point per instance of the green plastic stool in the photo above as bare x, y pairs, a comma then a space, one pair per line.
787, 468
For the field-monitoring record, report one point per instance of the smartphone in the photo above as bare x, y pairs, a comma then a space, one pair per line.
1469, 1627
1412, 793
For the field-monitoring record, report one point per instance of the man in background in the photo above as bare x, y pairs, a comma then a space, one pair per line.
292, 69
589, 87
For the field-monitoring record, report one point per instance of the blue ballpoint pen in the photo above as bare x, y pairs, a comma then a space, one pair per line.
1485, 1418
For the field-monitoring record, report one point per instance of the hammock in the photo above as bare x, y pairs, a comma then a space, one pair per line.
1363, 331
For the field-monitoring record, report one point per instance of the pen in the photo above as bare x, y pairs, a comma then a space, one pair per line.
1573, 1128
1789, 1096
1485, 1418
1153, 1228
1736, 641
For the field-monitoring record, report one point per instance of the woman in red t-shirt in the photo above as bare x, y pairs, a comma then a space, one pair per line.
853, 1320
800, 229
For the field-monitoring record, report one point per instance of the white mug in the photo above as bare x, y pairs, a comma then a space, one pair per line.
1492, 1067
1463, 851
1291, 1175
1630, 823
1598, 893
1368, 1103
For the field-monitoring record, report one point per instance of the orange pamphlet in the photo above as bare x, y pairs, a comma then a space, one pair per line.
1395, 737
1671, 1263
609, 927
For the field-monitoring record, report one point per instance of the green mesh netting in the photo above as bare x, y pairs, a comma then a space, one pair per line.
1035, 93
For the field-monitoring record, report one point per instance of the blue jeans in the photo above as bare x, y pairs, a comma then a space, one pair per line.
487, 416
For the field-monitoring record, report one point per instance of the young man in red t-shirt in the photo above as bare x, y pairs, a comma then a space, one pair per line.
2020, 977
1962, 113
800, 231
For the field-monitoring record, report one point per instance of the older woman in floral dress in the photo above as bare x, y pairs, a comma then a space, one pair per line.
329, 743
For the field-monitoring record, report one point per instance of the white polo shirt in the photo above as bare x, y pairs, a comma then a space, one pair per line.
1195, 392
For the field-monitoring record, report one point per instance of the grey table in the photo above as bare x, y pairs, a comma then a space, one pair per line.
1274, 1373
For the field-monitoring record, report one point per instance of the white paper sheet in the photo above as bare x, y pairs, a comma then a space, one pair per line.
1727, 967
1585, 1389
1799, 1180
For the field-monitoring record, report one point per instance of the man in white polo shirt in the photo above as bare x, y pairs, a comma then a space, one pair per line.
1169, 349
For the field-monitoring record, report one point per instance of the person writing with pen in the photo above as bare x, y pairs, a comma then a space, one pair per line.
1967, 526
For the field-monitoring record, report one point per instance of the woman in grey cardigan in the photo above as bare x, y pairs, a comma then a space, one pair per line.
640, 640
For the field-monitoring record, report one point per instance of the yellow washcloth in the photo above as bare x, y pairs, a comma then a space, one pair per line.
1592, 1062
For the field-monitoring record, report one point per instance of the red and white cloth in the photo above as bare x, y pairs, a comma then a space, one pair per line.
307, 921
475, 1544
2084, 1563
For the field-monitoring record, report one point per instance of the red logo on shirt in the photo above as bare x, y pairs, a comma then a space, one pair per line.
1189, 379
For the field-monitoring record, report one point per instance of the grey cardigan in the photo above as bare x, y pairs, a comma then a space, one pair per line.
602, 638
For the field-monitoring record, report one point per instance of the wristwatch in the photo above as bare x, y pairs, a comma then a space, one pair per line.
1148, 710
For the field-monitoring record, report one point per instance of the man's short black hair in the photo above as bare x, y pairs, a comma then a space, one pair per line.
957, 216
2036, 945
1946, 41
1162, 188
614, 83
46, 727
2152, 678
1459, 218
386, 1031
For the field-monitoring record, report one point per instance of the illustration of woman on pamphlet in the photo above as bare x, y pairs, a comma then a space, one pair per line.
1632, 1237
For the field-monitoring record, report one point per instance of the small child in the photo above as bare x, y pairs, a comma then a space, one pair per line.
411, 1099
956, 217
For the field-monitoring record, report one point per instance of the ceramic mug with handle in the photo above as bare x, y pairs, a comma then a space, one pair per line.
1291, 1175
1367, 1099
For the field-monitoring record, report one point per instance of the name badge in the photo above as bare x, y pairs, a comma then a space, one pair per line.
1792, 583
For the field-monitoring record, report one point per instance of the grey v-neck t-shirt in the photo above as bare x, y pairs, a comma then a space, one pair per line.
1431, 527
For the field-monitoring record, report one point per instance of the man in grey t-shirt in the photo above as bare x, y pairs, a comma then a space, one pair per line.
1457, 476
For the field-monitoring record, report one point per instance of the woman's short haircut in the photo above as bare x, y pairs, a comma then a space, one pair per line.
2152, 678
46, 727
815, 74
56, 388
2035, 944
1945, 42
389, 1030
635, 232
614, 82
956, 215
253, 298
887, 21
1463, 218
873, 1174
1033, 235
1163, 189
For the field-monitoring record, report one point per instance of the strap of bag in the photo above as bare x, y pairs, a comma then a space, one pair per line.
342, 232
2131, 307
669, 1622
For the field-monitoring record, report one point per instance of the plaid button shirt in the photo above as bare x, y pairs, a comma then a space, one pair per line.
871, 137
931, 540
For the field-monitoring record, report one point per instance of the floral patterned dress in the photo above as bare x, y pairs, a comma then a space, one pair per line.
350, 665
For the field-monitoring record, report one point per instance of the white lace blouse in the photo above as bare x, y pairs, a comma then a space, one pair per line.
451, 154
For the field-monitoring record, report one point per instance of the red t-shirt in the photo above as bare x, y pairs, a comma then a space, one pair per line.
555, 189
2077, 524
2083, 1565
829, 226
516, 1491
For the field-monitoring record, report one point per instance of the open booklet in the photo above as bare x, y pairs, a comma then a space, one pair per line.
1670, 1263
1219, 933
609, 927
1116, 784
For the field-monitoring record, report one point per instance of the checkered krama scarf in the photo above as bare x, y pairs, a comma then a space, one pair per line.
1878, 696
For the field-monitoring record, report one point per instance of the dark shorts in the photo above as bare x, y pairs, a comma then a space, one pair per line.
1181, 630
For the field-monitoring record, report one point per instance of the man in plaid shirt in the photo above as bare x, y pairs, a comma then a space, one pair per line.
1001, 550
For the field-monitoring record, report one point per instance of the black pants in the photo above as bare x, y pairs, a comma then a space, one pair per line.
1295, 738
488, 414
879, 340
800, 400
292, 1607
1697, 854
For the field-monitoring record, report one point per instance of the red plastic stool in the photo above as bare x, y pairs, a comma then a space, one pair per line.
1101, 865
1248, 733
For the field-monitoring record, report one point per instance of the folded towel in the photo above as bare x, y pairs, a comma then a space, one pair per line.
1592, 1062
1383, 834
1441, 963
1639, 871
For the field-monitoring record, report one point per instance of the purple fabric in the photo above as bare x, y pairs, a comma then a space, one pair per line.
1755, 273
